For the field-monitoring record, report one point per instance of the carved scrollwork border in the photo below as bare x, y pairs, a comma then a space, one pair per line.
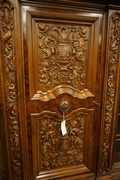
114, 40
10, 91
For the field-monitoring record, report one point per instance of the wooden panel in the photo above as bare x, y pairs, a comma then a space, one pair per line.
9, 90
110, 98
61, 155
54, 41
61, 57
61, 60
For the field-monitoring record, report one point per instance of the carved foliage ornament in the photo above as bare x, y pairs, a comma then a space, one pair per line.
111, 83
57, 150
10, 91
62, 55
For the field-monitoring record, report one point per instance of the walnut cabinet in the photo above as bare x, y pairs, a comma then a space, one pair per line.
60, 66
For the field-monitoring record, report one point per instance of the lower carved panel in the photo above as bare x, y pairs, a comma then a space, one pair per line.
57, 150
53, 152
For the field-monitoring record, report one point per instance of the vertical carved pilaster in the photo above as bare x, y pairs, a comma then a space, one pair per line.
10, 90
111, 89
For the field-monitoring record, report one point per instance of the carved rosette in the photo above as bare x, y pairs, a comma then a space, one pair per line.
111, 88
10, 89
62, 55
57, 150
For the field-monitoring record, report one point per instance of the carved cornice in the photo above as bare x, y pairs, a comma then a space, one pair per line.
10, 90
111, 89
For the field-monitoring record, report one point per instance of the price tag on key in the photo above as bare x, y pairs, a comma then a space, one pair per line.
63, 126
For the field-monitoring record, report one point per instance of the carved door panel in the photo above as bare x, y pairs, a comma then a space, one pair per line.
61, 62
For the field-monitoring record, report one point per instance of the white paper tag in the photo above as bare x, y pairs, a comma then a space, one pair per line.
63, 127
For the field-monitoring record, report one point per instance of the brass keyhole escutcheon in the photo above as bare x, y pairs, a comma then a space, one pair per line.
64, 105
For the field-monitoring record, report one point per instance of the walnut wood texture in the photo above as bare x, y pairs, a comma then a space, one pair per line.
52, 51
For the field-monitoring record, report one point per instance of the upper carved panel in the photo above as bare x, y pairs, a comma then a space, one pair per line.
61, 61
62, 55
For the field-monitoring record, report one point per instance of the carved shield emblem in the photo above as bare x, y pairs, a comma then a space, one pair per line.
63, 54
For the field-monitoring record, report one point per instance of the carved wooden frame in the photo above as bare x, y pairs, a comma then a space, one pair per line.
10, 91
36, 92
110, 98
11, 102
52, 120
33, 13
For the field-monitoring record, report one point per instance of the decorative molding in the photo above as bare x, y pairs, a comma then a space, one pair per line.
53, 93
111, 89
10, 89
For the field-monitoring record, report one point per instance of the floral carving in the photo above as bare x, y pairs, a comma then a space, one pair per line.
62, 55
111, 88
10, 91
57, 150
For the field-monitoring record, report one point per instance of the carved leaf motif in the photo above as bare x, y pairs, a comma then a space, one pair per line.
62, 55
57, 150
11, 92
111, 83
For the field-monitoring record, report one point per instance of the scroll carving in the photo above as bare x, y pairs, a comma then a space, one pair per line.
62, 51
57, 150
10, 89
111, 88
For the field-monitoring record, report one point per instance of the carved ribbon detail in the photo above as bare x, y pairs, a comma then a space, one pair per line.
11, 91
111, 88
62, 55
57, 150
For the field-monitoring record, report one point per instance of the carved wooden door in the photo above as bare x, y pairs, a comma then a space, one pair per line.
62, 77
52, 59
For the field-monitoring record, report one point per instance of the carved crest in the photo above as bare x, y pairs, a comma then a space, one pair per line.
63, 55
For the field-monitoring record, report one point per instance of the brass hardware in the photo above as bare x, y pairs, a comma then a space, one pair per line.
97, 104
64, 105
